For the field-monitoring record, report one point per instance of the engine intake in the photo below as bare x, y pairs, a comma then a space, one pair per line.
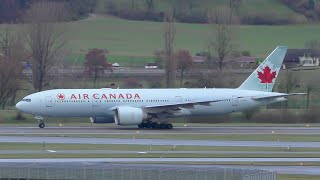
129, 116
102, 119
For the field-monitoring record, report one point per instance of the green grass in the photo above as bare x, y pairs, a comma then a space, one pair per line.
249, 6
296, 177
152, 155
141, 38
77, 59
53, 146
236, 137
231, 137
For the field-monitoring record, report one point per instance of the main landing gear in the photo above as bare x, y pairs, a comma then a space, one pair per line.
40, 121
154, 125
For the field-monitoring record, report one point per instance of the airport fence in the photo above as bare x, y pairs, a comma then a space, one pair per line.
127, 172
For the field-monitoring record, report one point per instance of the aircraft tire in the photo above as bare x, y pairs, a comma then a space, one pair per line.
42, 125
169, 126
141, 126
162, 126
155, 126
148, 125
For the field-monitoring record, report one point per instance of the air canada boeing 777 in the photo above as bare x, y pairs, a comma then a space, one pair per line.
151, 108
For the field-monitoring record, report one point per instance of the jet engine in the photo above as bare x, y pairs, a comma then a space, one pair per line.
129, 116
102, 119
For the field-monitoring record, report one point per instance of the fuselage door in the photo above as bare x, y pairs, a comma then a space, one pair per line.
234, 100
48, 101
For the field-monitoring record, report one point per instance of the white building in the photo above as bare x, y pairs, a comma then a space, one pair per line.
308, 61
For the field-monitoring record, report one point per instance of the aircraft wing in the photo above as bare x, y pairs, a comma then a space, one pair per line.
276, 96
187, 104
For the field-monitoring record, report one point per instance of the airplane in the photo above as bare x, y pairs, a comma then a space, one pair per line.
151, 108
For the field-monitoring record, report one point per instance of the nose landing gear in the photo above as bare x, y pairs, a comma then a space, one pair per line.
42, 125
40, 121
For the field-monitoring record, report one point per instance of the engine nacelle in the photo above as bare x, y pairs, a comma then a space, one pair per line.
102, 119
129, 116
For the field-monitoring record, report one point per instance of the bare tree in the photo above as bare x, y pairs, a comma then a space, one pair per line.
9, 79
12, 51
313, 44
234, 6
169, 38
184, 62
310, 85
288, 83
7, 41
221, 42
45, 38
132, 82
149, 5
217, 79
96, 63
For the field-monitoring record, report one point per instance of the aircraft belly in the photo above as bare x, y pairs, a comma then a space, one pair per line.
200, 110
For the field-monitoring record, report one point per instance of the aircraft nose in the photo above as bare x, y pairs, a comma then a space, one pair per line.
18, 106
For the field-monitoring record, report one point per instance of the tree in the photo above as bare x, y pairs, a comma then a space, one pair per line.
313, 44
81, 7
184, 62
159, 58
12, 51
310, 85
9, 79
96, 63
234, 6
288, 83
149, 5
44, 38
221, 41
132, 82
169, 38
11, 10
216, 79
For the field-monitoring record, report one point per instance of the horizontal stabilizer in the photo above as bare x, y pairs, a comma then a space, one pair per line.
277, 96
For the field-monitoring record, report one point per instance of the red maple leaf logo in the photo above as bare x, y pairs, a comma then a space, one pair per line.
61, 96
267, 76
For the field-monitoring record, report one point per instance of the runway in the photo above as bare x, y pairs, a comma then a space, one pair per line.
21, 136
310, 170
168, 142
177, 130
155, 160
53, 151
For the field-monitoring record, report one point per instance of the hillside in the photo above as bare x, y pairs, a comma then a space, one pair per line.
142, 38
137, 40
249, 11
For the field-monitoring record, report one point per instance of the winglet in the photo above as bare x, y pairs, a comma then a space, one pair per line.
264, 77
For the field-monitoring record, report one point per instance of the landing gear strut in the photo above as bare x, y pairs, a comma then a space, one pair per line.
40, 121
155, 125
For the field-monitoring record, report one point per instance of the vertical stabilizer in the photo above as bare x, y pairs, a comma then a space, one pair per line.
264, 77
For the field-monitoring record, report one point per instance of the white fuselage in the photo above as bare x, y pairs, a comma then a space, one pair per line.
101, 102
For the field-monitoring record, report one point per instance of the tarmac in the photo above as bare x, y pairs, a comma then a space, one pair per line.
163, 142
177, 130
96, 162
29, 135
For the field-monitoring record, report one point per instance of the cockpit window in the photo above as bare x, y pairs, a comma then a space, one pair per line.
26, 100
